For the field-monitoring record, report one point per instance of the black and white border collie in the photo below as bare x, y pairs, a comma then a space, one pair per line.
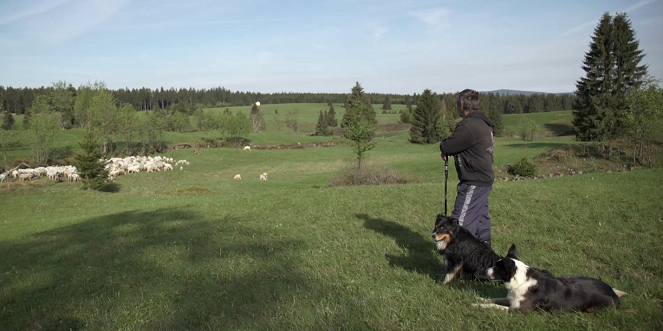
461, 250
533, 289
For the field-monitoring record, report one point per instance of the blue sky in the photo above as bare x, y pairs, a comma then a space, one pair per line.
312, 46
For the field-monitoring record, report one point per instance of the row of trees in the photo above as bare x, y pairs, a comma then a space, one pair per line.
616, 98
19, 100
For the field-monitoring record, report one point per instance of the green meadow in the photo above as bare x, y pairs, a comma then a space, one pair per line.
194, 249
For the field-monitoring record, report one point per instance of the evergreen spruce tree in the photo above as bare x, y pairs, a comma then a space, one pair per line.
628, 76
387, 103
8, 121
331, 116
406, 114
322, 128
358, 106
92, 172
612, 71
27, 116
498, 123
425, 128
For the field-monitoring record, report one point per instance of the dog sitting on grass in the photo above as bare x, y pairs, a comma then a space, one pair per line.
462, 251
533, 289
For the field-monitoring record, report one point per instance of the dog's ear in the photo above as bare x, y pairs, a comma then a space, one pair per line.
512, 252
453, 221
510, 268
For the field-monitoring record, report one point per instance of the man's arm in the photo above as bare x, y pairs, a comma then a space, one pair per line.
460, 140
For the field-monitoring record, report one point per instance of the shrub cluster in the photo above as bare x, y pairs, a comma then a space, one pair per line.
524, 167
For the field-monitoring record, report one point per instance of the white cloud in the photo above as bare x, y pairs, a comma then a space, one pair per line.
379, 31
437, 19
64, 20
638, 5
583, 27
36, 9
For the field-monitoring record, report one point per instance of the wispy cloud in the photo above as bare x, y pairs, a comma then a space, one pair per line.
583, 27
40, 7
63, 20
638, 5
437, 19
379, 31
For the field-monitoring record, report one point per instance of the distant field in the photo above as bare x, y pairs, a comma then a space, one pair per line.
556, 123
66, 141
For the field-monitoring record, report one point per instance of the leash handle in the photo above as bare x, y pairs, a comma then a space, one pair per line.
446, 179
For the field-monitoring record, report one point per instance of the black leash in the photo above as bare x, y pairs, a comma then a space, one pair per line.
446, 179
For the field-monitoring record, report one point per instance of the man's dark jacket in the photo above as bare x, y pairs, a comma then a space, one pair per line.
472, 146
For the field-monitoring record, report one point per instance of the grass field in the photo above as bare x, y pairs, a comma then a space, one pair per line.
197, 250
557, 123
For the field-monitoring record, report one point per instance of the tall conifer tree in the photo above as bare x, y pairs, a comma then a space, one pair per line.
425, 118
612, 70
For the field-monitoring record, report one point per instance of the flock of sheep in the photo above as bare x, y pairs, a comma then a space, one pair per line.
134, 164
116, 167
54, 173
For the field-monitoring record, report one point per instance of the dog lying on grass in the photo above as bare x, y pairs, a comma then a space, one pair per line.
462, 250
533, 289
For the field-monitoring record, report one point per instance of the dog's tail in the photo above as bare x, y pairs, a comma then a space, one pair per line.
619, 293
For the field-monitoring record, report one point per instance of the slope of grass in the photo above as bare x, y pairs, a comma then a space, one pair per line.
195, 249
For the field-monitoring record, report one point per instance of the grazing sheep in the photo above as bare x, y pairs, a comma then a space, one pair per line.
197, 151
247, 148
167, 166
181, 168
238, 177
263, 177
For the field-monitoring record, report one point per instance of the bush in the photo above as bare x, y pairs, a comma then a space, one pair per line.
524, 167
368, 175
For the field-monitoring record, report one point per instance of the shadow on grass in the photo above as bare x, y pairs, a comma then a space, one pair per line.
166, 269
421, 256
559, 129
111, 188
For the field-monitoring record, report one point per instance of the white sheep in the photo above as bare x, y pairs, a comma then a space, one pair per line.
247, 148
263, 177
181, 168
238, 177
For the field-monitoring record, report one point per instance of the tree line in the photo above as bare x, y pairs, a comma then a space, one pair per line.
19, 100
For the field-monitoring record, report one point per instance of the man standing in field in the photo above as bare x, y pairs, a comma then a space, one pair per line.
471, 145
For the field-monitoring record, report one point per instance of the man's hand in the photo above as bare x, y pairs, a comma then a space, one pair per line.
442, 155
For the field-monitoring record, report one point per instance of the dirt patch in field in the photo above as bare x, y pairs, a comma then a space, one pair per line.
578, 159
299, 145
391, 127
193, 190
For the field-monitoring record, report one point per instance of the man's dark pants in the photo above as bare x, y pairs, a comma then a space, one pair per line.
471, 209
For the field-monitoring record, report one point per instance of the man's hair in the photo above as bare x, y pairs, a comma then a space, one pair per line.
470, 99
